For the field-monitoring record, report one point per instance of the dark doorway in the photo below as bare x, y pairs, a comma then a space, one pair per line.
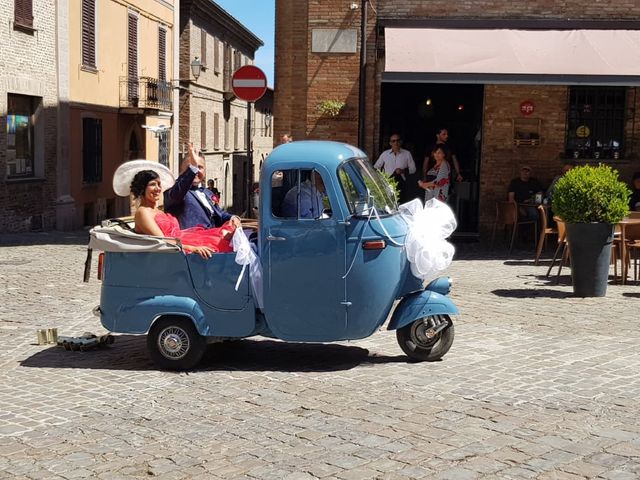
416, 111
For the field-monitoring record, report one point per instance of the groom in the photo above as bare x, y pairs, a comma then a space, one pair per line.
192, 204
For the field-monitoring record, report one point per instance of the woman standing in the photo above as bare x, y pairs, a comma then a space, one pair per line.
436, 173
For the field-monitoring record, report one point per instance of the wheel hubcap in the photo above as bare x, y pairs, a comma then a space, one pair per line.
173, 343
422, 333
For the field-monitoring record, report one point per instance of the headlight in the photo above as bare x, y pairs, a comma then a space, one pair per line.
440, 285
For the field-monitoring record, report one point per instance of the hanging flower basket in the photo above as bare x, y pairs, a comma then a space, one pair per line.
331, 108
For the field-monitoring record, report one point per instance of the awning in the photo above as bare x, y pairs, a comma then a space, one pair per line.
588, 56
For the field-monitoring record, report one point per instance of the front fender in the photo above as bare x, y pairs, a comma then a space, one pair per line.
419, 305
138, 318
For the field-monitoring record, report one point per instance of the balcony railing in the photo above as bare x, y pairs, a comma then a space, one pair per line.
145, 92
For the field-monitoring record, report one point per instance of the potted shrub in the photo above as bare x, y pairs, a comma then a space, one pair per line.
590, 200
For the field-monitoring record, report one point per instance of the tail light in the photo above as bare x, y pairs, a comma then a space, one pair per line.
101, 266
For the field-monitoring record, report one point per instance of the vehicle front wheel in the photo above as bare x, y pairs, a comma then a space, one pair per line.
420, 344
175, 344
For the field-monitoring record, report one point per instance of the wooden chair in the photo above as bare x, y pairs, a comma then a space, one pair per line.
507, 216
632, 235
562, 248
545, 231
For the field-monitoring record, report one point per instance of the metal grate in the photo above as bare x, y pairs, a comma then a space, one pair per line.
595, 122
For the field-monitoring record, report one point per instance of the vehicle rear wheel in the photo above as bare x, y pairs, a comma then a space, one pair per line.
419, 343
175, 344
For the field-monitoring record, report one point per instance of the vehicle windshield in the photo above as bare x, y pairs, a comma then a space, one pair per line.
364, 187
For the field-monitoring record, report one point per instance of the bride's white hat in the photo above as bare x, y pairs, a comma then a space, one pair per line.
123, 176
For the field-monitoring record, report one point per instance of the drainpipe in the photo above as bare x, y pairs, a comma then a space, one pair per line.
363, 80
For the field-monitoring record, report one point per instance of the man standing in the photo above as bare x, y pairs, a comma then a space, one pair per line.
192, 204
442, 135
397, 162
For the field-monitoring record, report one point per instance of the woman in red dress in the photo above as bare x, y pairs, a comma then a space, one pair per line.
149, 220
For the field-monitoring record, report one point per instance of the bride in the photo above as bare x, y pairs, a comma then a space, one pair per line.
147, 188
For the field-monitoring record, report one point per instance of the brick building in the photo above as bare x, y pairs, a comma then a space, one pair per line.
28, 115
210, 115
514, 83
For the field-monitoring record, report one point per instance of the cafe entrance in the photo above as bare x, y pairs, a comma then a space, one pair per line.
416, 111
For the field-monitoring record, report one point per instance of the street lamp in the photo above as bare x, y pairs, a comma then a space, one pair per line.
196, 67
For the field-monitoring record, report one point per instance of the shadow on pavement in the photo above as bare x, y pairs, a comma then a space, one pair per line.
631, 294
531, 293
129, 352
80, 237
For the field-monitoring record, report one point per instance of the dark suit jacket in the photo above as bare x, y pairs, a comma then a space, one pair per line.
183, 203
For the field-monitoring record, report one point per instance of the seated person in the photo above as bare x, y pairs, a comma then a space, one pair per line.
310, 196
523, 190
147, 189
634, 201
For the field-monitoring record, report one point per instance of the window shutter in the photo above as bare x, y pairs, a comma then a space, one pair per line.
132, 57
246, 135
227, 69
235, 133
216, 131
132, 49
216, 55
162, 54
203, 129
23, 13
89, 33
203, 46
226, 134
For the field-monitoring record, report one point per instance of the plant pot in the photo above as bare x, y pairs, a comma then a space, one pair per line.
590, 247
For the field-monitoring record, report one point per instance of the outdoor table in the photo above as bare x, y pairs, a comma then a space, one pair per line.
623, 244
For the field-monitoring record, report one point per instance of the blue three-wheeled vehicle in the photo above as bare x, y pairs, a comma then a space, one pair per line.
333, 266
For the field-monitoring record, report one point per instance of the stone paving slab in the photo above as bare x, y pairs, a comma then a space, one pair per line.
538, 384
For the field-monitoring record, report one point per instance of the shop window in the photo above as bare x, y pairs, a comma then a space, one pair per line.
595, 122
91, 150
21, 114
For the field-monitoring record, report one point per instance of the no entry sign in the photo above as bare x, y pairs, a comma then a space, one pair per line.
249, 83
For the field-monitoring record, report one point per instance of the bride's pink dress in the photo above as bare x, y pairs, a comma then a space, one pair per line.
218, 239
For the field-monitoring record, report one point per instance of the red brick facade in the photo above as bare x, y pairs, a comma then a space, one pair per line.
304, 79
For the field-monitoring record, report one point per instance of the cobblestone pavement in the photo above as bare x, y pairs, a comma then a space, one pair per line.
538, 384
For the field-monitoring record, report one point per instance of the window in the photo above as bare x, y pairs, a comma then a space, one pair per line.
216, 131
163, 147
89, 33
226, 134
235, 133
595, 122
216, 55
364, 187
203, 130
162, 54
21, 112
132, 57
91, 150
227, 68
299, 194
23, 13
203, 46
246, 135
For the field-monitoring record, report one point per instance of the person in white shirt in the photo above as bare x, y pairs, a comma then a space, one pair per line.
396, 162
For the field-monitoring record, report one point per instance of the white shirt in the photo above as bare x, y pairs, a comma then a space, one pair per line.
389, 161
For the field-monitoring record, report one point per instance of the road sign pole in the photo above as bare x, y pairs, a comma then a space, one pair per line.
249, 161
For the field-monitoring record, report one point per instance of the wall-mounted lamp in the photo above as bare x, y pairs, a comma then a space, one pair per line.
196, 67
354, 6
